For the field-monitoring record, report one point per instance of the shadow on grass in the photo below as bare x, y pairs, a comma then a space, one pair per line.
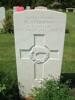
68, 77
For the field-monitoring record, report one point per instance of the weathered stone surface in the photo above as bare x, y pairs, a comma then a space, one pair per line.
39, 43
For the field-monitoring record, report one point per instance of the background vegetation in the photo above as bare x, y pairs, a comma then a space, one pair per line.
8, 77
33, 3
52, 90
69, 54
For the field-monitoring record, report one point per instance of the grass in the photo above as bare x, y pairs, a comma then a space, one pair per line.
7, 50
69, 48
7, 55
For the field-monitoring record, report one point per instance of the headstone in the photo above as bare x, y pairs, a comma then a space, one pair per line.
70, 10
39, 43
2, 16
14, 8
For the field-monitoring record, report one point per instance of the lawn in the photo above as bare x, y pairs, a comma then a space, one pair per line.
7, 50
69, 48
7, 55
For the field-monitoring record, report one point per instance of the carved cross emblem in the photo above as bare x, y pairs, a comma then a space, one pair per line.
38, 53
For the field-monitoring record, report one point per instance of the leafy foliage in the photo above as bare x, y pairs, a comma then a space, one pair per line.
46, 3
8, 87
52, 90
33, 3
68, 3
56, 5
8, 22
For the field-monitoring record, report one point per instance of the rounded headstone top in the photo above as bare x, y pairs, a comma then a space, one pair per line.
40, 8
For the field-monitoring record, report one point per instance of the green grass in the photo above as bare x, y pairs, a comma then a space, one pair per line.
7, 50
69, 48
7, 55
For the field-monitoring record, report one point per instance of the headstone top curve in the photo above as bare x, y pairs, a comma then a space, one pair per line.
40, 8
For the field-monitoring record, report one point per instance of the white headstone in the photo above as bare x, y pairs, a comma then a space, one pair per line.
2, 16
14, 8
39, 43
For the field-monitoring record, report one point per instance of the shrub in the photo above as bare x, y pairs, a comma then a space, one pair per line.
1, 30
8, 87
8, 22
0, 4
56, 5
52, 90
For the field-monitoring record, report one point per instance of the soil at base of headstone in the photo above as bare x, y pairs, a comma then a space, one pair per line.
29, 98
